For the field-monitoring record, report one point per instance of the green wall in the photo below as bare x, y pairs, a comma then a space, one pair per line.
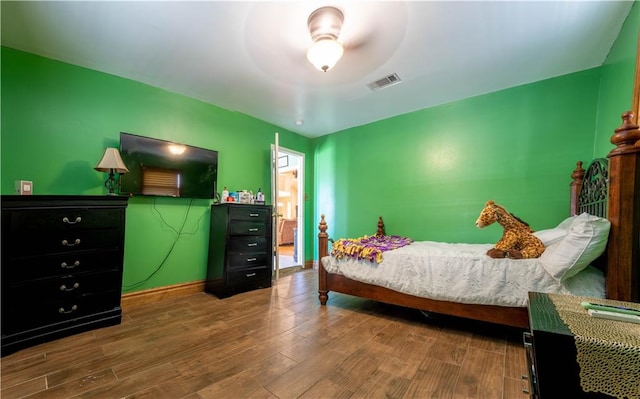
58, 118
616, 88
429, 173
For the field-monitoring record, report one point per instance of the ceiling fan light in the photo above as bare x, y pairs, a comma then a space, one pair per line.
325, 53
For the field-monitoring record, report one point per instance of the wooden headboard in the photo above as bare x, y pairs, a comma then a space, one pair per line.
622, 206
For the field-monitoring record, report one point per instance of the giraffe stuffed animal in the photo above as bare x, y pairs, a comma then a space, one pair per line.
517, 242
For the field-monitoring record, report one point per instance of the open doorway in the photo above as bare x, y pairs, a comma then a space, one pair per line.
290, 208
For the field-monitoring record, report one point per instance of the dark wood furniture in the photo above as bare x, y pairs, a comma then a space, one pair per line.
62, 261
240, 249
622, 255
551, 353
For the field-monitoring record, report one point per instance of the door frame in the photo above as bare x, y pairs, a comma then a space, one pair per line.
300, 236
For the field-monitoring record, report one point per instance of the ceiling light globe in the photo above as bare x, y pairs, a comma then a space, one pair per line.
325, 53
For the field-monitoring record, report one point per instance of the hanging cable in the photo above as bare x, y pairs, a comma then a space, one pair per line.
173, 244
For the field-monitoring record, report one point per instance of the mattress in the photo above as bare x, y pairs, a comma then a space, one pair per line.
463, 273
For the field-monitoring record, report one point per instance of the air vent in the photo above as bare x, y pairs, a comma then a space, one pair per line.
387, 81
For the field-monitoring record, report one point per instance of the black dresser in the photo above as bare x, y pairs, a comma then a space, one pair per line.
240, 249
62, 261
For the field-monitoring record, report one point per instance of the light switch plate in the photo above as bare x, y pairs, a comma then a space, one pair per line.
24, 187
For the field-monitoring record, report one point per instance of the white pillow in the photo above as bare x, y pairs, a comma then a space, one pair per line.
585, 241
566, 224
551, 236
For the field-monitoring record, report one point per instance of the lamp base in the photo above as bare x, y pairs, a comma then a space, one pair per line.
111, 184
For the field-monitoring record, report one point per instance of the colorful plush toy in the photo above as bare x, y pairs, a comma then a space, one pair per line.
517, 242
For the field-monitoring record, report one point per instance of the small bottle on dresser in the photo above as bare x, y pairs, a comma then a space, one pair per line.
260, 197
225, 195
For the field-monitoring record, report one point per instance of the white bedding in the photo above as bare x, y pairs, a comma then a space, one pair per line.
463, 273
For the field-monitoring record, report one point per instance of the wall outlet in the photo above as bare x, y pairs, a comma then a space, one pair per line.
24, 187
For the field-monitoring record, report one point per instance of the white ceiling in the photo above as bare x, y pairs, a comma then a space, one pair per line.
250, 56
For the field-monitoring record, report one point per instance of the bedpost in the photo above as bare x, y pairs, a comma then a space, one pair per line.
380, 231
323, 250
576, 186
624, 213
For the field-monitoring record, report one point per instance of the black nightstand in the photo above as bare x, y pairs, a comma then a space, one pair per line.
551, 353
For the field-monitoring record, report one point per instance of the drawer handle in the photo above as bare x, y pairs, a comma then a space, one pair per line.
64, 265
251, 274
252, 259
527, 339
253, 229
64, 287
67, 221
252, 244
254, 215
73, 309
67, 244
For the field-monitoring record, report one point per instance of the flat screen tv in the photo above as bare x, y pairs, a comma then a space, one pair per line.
164, 168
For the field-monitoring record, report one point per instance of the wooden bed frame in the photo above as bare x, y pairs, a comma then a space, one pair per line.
622, 258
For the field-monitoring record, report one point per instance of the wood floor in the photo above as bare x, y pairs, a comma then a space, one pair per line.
285, 250
273, 343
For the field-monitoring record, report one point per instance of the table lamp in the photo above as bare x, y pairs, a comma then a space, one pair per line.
111, 163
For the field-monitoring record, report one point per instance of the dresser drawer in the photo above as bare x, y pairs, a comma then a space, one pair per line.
42, 242
245, 228
247, 244
241, 261
243, 212
20, 317
20, 269
253, 277
64, 220
61, 288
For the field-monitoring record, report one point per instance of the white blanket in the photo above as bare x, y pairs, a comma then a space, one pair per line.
463, 273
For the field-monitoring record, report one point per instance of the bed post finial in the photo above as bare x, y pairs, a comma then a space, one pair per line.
625, 136
380, 231
576, 186
622, 207
323, 225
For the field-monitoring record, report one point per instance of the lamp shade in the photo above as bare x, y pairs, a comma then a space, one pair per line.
111, 162
325, 53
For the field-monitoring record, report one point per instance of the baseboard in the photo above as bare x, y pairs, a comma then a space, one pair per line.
174, 291
157, 294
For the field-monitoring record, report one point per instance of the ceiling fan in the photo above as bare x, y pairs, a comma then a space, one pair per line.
365, 33
324, 25
278, 36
